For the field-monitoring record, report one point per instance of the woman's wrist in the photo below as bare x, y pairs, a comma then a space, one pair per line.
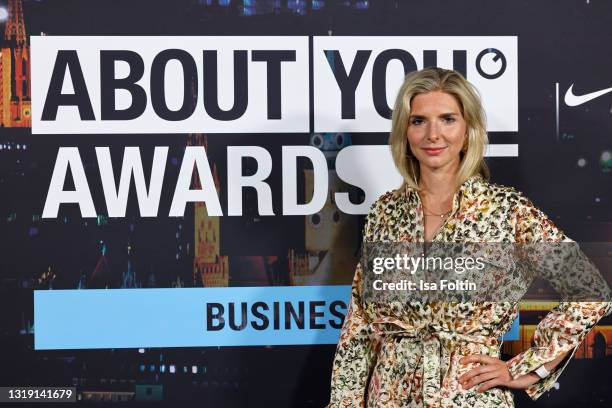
542, 372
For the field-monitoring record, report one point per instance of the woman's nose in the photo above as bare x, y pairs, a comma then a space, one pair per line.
433, 131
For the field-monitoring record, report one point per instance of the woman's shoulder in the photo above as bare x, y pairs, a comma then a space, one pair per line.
388, 207
503, 194
530, 220
387, 200
393, 200
390, 201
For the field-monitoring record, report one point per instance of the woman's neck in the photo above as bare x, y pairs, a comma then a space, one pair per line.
438, 184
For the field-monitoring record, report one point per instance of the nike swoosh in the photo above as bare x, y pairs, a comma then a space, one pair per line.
575, 100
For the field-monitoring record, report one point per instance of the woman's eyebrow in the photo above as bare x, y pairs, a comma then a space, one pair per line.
417, 116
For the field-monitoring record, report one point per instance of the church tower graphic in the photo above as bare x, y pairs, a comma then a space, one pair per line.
210, 268
15, 96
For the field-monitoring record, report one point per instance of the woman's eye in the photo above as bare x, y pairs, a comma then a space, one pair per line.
449, 119
417, 121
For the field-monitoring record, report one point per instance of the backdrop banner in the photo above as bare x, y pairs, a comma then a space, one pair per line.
183, 183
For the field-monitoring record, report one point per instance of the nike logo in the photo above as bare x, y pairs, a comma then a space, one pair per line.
575, 100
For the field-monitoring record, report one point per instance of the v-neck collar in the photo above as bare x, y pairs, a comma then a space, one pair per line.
464, 190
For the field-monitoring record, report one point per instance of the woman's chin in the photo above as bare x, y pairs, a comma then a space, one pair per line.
436, 162
433, 163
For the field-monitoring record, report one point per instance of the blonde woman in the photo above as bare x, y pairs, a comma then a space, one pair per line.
448, 356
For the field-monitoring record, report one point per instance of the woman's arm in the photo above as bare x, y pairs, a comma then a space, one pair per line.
357, 348
355, 354
561, 331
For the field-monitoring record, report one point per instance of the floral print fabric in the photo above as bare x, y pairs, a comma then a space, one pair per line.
407, 355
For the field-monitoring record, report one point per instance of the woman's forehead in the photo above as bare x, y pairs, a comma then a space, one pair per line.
435, 102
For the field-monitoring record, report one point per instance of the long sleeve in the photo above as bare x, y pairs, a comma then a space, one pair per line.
566, 325
357, 347
355, 354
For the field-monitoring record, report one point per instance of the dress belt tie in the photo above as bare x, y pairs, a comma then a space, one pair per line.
433, 341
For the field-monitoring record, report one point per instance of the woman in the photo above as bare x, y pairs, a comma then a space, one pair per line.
447, 355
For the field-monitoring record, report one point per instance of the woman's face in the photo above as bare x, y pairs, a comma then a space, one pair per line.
436, 130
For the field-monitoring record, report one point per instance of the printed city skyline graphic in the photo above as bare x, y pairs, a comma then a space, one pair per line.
15, 95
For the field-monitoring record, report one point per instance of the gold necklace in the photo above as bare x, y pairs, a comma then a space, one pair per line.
446, 214
443, 215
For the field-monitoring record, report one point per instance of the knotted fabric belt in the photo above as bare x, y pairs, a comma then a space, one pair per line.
433, 341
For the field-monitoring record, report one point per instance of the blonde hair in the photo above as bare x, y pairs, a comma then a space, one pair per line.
437, 79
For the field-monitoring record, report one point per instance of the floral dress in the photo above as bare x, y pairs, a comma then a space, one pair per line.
410, 357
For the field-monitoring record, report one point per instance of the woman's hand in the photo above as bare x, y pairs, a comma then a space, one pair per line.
492, 372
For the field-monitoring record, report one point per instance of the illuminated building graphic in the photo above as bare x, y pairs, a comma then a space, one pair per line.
45, 280
26, 327
100, 278
128, 279
210, 268
82, 283
330, 235
107, 396
178, 283
15, 97
296, 7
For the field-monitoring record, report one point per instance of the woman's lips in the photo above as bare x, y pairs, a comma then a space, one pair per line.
433, 151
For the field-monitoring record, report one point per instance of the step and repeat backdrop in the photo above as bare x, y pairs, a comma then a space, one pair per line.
183, 184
